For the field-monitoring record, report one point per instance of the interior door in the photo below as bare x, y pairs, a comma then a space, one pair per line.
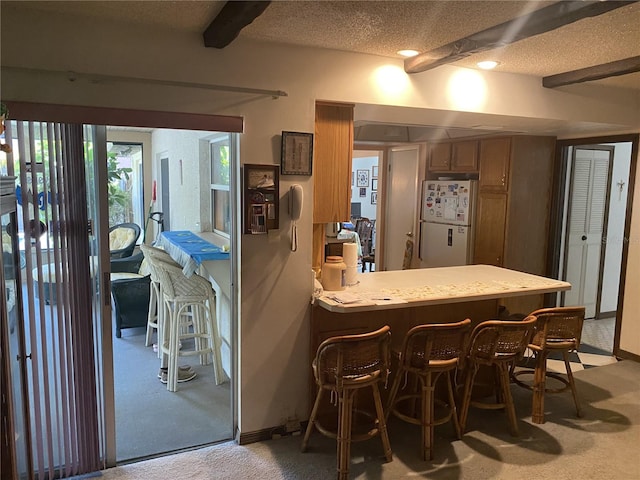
586, 226
401, 201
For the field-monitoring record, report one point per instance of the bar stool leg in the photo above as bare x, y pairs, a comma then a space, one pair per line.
452, 406
539, 387
427, 414
572, 383
312, 420
152, 317
503, 371
345, 412
382, 423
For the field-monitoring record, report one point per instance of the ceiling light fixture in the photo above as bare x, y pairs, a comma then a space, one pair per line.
488, 64
408, 53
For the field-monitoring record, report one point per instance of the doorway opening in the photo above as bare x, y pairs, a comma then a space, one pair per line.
594, 184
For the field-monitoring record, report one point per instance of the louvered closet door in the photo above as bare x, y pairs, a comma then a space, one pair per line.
587, 226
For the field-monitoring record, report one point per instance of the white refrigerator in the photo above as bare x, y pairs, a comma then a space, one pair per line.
447, 222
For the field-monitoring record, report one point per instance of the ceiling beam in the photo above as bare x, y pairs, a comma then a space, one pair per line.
233, 17
597, 72
540, 21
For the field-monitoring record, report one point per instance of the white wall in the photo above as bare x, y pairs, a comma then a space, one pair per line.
275, 283
615, 227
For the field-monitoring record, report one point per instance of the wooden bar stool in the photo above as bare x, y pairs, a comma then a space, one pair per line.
557, 330
343, 365
496, 344
429, 351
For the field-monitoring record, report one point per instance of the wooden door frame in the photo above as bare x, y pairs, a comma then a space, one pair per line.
555, 226
605, 223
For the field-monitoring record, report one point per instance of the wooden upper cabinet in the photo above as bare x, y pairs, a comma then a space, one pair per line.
459, 157
464, 157
495, 157
333, 150
440, 157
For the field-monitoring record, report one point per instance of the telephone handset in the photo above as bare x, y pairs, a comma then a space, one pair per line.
295, 202
295, 211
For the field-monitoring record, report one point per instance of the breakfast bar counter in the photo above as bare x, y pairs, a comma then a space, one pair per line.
435, 286
405, 298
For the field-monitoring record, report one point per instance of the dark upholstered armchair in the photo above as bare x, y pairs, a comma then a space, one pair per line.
122, 239
130, 291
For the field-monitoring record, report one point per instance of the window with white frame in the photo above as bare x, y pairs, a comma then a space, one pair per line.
219, 152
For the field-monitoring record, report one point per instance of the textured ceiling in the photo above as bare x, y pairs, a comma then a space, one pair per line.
384, 27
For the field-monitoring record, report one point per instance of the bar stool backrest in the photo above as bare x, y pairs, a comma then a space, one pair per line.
435, 346
353, 360
559, 328
500, 340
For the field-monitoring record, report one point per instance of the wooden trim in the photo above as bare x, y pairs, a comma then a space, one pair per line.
597, 72
233, 17
634, 139
625, 247
268, 434
122, 117
537, 22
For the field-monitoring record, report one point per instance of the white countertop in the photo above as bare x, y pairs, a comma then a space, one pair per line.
436, 286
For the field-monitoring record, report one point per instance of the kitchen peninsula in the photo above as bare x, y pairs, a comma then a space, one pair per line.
403, 299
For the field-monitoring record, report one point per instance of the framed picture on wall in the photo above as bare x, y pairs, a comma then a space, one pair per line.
297, 153
374, 171
374, 184
363, 191
374, 198
362, 178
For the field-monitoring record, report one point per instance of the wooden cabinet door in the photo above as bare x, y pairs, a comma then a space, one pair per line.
333, 149
464, 157
491, 219
440, 157
495, 155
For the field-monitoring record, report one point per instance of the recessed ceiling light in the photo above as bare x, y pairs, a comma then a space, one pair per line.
408, 53
488, 64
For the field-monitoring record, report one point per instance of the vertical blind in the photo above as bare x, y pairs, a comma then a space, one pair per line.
60, 282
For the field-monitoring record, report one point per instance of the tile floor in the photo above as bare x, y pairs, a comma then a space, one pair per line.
595, 349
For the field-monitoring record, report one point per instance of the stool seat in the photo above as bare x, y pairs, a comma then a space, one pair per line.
343, 365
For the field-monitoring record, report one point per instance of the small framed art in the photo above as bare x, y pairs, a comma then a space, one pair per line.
374, 198
374, 171
363, 191
297, 153
374, 184
362, 178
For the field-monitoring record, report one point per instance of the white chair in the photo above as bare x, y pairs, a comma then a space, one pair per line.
154, 320
188, 301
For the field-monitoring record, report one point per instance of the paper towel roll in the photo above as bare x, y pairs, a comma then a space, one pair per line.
351, 276
350, 254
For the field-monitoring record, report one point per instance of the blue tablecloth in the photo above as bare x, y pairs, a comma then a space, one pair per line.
189, 250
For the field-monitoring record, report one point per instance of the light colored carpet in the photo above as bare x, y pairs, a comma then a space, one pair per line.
601, 445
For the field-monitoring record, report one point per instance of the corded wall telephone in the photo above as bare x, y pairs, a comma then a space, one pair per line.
295, 210
295, 202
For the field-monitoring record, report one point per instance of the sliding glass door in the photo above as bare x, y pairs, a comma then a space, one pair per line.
57, 238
